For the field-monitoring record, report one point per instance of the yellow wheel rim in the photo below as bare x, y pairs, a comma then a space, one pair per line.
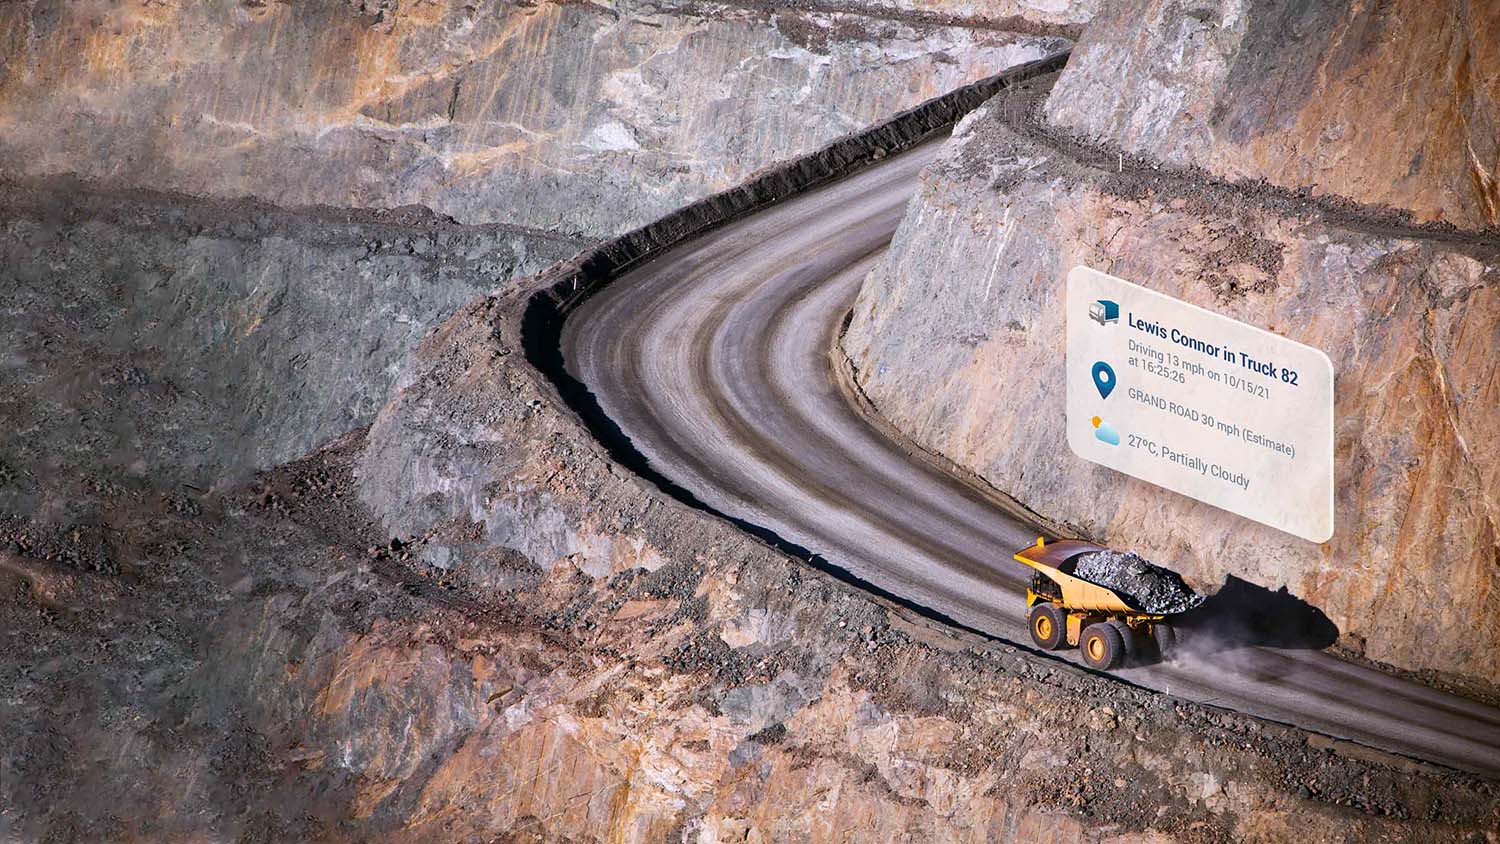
1043, 627
1096, 647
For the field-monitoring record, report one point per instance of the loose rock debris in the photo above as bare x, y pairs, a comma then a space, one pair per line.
1152, 588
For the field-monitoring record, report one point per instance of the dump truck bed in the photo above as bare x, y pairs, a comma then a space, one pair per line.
1055, 560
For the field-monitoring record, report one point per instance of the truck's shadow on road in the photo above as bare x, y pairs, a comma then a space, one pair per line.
1242, 614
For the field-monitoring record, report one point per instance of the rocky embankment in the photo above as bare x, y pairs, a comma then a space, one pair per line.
575, 118
758, 686
586, 661
963, 321
549, 649
714, 689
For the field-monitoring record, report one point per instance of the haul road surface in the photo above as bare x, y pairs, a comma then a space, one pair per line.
713, 360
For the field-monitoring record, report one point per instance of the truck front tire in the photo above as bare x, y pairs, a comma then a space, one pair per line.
1049, 626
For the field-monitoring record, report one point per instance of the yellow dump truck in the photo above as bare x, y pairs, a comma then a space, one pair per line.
1063, 610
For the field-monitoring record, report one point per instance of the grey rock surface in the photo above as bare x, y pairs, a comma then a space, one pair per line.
193, 342
569, 117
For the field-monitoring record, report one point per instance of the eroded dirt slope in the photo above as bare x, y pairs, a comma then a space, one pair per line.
150, 336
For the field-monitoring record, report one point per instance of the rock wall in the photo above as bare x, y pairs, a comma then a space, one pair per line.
184, 341
569, 117
962, 324
1392, 103
761, 693
549, 649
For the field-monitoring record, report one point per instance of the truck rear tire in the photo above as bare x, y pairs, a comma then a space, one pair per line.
1128, 639
1049, 626
1101, 646
1165, 638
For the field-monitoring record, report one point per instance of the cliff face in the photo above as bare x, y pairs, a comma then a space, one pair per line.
549, 650
569, 117
1392, 104
553, 117
962, 324
190, 341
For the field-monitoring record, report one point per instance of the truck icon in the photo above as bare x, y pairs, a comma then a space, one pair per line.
1104, 312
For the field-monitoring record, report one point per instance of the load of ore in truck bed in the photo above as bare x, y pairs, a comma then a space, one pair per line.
1151, 588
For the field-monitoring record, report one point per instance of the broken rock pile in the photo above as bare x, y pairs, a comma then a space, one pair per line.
1151, 588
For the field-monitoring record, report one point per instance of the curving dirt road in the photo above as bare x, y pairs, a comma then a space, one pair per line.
713, 360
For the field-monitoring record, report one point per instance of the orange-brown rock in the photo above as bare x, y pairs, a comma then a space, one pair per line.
1389, 104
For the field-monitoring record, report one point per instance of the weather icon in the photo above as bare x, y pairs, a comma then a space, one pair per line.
1105, 432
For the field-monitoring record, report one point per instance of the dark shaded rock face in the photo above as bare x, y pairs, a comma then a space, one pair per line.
1394, 104
571, 117
192, 342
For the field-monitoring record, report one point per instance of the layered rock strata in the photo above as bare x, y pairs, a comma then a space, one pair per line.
1390, 104
552, 650
571, 117
498, 472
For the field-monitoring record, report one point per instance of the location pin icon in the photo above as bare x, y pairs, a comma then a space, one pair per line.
1104, 379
